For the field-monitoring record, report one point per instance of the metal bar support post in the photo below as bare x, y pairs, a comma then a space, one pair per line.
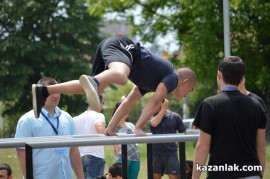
124, 161
182, 159
29, 161
149, 160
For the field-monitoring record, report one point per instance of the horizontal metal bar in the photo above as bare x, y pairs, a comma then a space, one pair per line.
69, 141
20, 142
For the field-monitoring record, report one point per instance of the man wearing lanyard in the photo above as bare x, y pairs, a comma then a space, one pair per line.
232, 129
50, 162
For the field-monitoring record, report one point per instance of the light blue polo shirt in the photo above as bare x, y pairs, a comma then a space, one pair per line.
50, 162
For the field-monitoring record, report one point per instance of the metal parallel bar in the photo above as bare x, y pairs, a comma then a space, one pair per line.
112, 141
182, 159
20, 142
29, 161
31, 143
12, 144
149, 160
124, 161
56, 141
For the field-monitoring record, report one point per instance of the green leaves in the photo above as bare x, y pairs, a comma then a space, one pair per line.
199, 28
43, 38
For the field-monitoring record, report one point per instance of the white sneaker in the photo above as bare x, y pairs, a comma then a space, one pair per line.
90, 87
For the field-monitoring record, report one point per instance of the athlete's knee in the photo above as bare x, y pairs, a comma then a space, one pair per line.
122, 79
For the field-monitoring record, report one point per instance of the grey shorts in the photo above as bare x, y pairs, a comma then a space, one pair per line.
166, 164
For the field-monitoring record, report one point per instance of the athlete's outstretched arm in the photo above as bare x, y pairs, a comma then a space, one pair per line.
152, 107
123, 110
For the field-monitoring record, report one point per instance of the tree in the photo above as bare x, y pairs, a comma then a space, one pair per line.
43, 38
199, 28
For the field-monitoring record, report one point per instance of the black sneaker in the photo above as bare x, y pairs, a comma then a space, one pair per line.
90, 87
38, 99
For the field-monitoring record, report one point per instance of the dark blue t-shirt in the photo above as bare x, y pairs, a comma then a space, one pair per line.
170, 124
148, 70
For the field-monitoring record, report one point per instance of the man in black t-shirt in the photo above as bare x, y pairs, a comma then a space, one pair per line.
117, 60
232, 129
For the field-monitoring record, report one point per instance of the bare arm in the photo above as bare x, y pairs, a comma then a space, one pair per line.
116, 149
158, 118
151, 108
100, 127
201, 153
123, 110
76, 162
260, 146
21, 157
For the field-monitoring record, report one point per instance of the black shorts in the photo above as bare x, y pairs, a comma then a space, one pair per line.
114, 49
166, 164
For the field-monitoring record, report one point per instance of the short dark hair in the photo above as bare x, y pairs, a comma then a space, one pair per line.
5, 166
116, 170
232, 69
47, 81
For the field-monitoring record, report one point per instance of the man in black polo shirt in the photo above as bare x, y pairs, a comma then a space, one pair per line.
232, 129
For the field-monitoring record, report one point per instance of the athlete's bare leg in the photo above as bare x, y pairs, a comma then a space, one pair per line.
70, 87
117, 73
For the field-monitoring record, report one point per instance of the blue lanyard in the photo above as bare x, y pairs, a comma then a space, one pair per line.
229, 88
55, 129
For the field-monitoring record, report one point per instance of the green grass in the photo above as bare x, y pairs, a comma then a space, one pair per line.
9, 156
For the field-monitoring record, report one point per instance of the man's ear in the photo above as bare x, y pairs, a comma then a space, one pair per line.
185, 81
219, 75
242, 81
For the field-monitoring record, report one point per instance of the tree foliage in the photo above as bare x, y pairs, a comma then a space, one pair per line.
43, 38
198, 25
199, 28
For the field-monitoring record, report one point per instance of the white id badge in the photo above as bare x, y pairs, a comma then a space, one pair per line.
60, 150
